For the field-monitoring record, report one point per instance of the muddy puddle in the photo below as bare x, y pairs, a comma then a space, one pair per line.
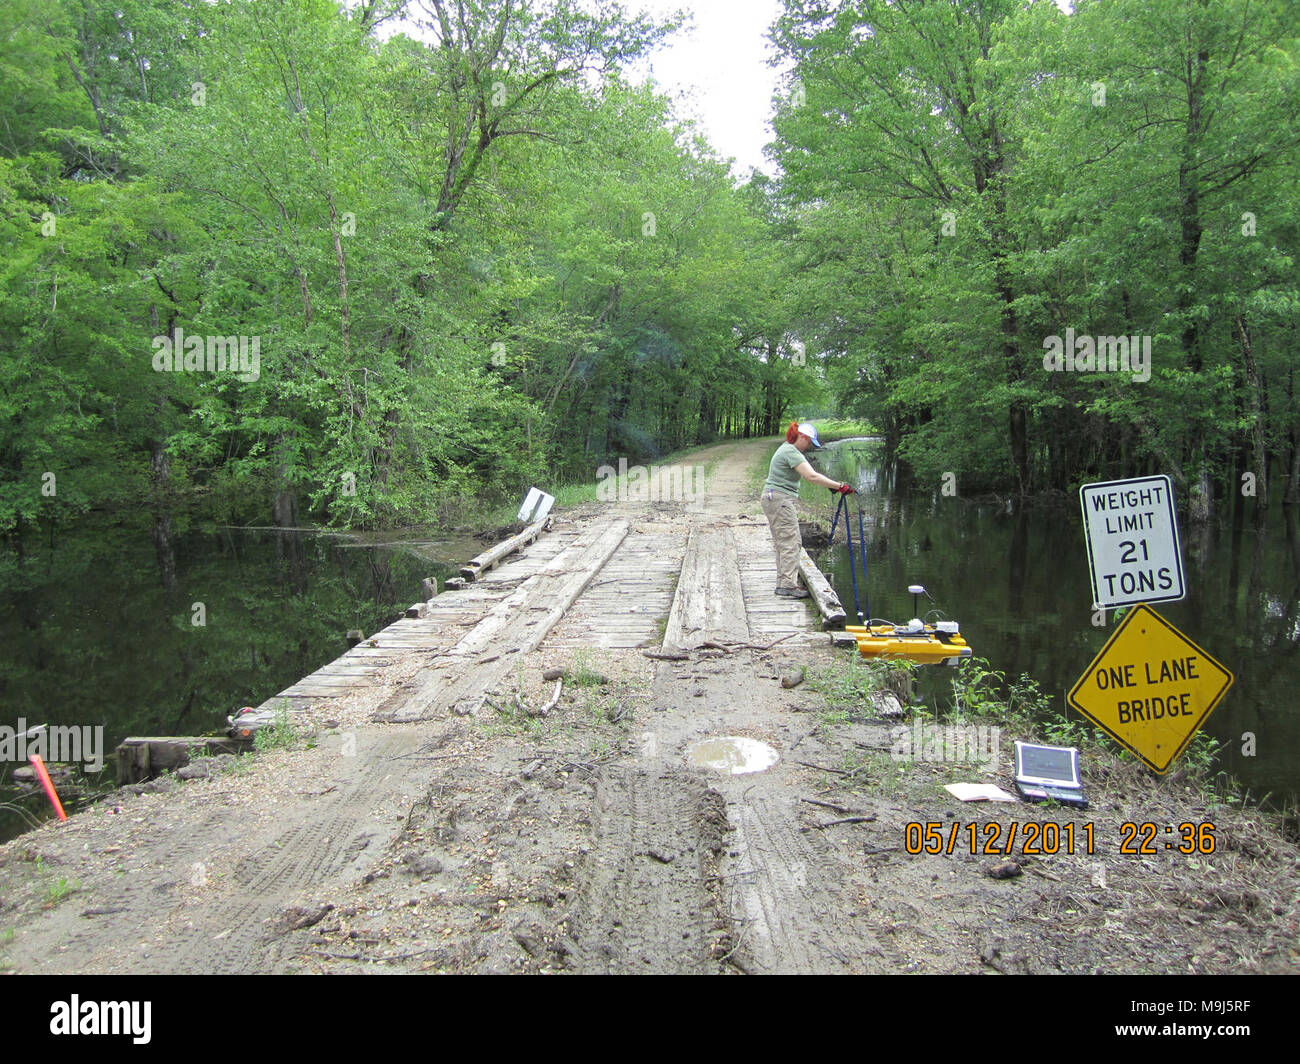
734, 755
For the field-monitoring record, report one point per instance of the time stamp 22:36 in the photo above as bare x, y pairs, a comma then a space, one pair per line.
1035, 838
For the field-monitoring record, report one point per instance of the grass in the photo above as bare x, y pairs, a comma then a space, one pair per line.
583, 674
281, 735
604, 700
58, 890
509, 721
241, 764
847, 687
981, 691
873, 771
607, 709
509, 714
831, 429
757, 472
1021, 709
661, 629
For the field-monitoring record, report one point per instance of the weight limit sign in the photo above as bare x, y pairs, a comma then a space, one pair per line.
1132, 534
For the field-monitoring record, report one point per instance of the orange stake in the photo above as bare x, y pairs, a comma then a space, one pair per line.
48, 784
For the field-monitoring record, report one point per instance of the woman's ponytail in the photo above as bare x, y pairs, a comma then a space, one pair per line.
792, 433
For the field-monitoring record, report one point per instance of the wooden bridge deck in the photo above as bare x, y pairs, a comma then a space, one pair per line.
612, 582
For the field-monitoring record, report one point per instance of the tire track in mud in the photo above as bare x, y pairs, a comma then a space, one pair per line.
787, 894
309, 854
216, 912
650, 901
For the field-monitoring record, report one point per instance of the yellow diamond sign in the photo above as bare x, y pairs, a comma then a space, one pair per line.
1150, 688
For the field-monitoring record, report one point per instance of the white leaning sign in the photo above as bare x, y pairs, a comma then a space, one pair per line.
1132, 534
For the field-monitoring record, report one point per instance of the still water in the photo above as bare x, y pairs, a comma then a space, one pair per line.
92, 638
1016, 578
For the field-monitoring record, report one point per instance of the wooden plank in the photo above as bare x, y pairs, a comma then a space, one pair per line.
143, 757
598, 641
333, 681
512, 628
709, 604
828, 603
296, 703
315, 694
481, 563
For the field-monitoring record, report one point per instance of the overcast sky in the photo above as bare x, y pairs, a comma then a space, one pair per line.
717, 70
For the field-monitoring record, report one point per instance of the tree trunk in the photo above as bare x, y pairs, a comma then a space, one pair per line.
1202, 498
164, 548
284, 515
159, 480
1255, 412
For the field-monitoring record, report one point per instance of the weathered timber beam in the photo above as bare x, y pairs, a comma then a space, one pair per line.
477, 566
828, 603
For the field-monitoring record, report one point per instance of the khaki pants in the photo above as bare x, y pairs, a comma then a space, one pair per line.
783, 520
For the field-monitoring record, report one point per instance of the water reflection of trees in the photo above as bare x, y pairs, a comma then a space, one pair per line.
93, 635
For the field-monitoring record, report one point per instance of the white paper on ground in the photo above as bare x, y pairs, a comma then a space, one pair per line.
979, 792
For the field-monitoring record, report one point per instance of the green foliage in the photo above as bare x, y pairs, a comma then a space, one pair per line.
839, 428
241, 764
479, 258
1200, 758
842, 684
60, 889
442, 318
847, 685
280, 735
510, 719
1062, 731
964, 181
583, 674
979, 690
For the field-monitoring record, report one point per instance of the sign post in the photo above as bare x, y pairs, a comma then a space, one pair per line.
1132, 534
1150, 688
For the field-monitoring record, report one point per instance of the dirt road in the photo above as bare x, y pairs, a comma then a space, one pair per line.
437, 822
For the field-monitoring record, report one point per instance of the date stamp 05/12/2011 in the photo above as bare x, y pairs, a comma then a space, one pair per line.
1044, 838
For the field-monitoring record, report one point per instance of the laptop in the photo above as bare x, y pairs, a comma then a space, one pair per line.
1049, 773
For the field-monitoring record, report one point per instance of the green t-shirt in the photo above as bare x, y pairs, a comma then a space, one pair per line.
781, 475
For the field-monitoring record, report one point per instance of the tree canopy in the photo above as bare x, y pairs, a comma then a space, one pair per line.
358, 264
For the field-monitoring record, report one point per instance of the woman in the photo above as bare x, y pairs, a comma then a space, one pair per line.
779, 493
